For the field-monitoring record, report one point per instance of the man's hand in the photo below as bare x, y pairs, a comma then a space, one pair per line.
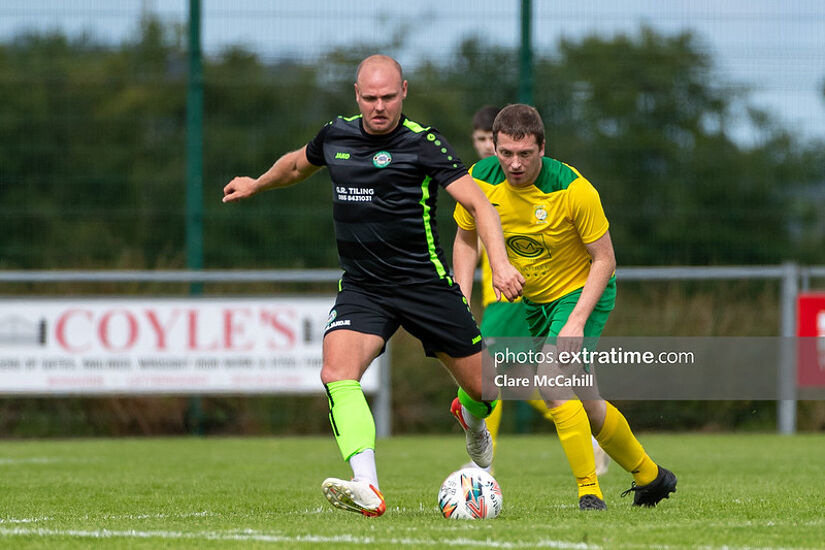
570, 339
240, 188
507, 281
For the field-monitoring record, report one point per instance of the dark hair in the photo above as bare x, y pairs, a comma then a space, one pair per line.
484, 117
519, 120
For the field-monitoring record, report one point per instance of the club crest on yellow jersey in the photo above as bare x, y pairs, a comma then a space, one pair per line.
540, 212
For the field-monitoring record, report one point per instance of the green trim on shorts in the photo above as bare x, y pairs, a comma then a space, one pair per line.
546, 320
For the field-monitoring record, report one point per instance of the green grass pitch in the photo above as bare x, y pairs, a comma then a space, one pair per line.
735, 491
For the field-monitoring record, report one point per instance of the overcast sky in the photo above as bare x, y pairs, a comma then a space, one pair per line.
775, 46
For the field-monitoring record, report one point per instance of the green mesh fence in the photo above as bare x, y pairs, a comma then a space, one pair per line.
701, 130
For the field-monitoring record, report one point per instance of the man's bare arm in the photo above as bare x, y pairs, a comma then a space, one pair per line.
291, 168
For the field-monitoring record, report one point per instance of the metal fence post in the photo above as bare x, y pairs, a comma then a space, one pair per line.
382, 410
805, 279
194, 178
786, 406
525, 80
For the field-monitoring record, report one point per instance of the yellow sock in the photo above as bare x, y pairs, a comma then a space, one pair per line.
542, 408
494, 422
573, 428
618, 441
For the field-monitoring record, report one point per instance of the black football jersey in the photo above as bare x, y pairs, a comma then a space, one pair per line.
384, 198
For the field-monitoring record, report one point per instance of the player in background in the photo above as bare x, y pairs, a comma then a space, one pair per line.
568, 295
386, 170
505, 319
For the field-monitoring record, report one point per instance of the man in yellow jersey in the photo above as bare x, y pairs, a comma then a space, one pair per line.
570, 291
504, 319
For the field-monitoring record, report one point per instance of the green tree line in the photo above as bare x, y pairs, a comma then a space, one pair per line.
92, 149
92, 175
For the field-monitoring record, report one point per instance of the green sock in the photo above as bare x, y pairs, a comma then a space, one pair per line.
479, 409
350, 416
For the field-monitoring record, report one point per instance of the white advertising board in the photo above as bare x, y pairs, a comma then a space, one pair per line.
164, 346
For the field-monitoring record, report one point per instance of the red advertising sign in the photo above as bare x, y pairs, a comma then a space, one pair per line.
164, 345
811, 349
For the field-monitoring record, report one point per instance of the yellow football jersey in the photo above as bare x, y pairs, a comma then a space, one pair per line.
488, 295
545, 225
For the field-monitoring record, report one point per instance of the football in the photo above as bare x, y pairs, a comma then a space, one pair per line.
469, 493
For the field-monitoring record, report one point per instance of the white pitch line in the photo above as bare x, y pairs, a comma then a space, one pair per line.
24, 520
151, 516
131, 517
32, 460
275, 538
255, 536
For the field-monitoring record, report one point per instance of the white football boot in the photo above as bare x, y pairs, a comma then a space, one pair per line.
354, 496
479, 444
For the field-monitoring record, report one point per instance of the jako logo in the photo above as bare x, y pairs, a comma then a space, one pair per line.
344, 156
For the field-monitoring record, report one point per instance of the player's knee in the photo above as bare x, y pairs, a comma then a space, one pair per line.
330, 374
334, 371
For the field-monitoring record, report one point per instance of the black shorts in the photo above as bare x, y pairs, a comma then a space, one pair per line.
436, 313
